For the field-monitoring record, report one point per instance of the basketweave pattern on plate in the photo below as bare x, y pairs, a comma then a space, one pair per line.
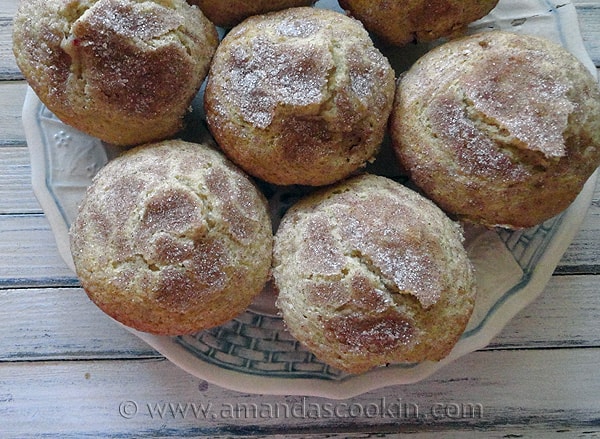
251, 343
259, 344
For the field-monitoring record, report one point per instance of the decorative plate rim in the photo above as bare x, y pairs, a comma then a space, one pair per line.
558, 234
510, 304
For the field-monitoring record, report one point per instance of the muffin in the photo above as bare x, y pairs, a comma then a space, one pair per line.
400, 22
172, 238
498, 129
299, 96
124, 71
228, 13
370, 272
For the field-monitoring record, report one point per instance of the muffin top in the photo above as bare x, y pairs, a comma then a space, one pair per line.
172, 238
228, 13
498, 128
370, 272
399, 22
299, 96
124, 71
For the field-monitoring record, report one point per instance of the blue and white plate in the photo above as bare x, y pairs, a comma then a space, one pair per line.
254, 353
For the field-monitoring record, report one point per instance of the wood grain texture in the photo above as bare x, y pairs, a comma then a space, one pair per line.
582, 255
16, 192
68, 371
78, 330
28, 254
11, 126
8, 67
559, 318
588, 12
554, 390
34, 255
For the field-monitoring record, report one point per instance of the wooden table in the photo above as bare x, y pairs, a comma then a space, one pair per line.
68, 371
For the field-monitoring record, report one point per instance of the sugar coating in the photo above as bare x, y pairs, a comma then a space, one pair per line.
498, 128
171, 238
299, 96
267, 76
124, 71
369, 273
501, 88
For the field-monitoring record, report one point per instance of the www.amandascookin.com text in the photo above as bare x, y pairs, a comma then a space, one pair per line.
299, 409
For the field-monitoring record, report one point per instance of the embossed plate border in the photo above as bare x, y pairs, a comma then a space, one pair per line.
253, 353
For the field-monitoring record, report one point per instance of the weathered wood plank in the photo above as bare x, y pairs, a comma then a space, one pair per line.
538, 378
494, 390
582, 255
16, 192
587, 12
11, 127
28, 254
561, 316
63, 324
8, 7
521, 432
8, 66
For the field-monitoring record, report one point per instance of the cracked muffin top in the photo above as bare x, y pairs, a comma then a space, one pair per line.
172, 238
498, 128
399, 22
370, 272
299, 96
124, 71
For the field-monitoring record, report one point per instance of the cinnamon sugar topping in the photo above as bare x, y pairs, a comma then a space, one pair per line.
518, 99
371, 334
269, 75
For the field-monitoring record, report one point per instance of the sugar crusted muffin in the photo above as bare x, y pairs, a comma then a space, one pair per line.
399, 22
228, 13
498, 128
299, 96
370, 272
124, 71
172, 238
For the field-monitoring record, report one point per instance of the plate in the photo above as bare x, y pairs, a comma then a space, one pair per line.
253, 353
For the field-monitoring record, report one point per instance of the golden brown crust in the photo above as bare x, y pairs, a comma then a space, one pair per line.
399, 22
124, 71
172, 238
370, 272
498, 128
228, 13
299, 96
